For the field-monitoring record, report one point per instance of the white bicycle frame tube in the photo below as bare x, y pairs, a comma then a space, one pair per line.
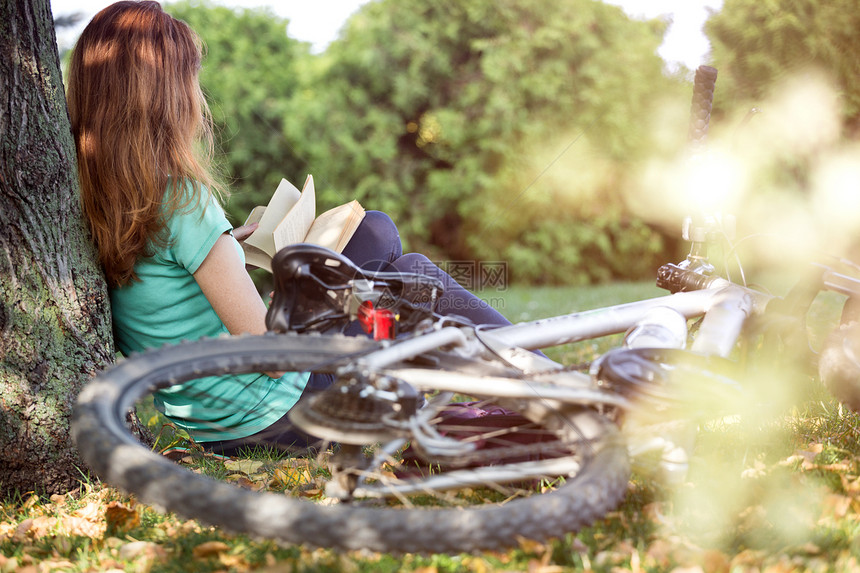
599, 322
725, 309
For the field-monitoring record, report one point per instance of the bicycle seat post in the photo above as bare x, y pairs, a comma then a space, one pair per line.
700, 230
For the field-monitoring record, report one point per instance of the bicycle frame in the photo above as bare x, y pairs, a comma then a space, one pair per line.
725, 308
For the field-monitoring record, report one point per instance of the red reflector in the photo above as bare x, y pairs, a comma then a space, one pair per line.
379, 322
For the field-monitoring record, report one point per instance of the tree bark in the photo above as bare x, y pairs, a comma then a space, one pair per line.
55, 328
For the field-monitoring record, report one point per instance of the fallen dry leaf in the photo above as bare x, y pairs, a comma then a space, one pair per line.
290, 477
91, 511
758, 470
475, 564
120, 517
42, 526
532, 546
714, 561
83, 527
22, 529
850, 484
247, 467
653, 512
292, 463
835, 506
233, 562
63, 565
135, 549
748, 560
7, 529
662, 553
809, 548
243, 482
210, 549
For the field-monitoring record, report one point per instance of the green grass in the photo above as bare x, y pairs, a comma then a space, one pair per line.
777, 488
522, 303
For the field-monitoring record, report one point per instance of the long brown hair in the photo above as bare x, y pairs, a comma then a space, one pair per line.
140, 124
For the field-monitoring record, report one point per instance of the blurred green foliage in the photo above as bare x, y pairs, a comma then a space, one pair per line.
797, 62
491, 130
251, 71
758, 44
501, 130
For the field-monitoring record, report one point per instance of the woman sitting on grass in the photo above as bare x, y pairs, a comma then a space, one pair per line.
173, 262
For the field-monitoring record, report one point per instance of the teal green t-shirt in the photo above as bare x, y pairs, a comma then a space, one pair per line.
166, 306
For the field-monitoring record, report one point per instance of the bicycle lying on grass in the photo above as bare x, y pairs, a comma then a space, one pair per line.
539, 450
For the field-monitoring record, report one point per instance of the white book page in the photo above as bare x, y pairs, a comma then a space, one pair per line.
255, 215
286, 196
295, 225
335, 227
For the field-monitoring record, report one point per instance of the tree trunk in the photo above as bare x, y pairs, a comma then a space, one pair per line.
55, 329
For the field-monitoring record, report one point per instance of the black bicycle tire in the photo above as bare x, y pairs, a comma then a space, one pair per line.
112, 453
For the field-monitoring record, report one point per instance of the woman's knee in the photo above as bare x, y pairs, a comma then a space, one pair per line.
383, 227
375, 243
418, 264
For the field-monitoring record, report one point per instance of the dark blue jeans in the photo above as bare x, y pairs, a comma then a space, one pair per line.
375, 246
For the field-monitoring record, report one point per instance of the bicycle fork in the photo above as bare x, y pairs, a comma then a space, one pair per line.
672, 441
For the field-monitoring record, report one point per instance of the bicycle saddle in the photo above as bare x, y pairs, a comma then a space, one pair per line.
319, 290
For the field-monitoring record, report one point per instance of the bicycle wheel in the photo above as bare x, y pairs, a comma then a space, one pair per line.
595, 465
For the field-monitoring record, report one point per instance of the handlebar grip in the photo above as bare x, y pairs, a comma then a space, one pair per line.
700, 108
674, 279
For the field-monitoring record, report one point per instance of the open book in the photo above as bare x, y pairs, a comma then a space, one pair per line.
290, 217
